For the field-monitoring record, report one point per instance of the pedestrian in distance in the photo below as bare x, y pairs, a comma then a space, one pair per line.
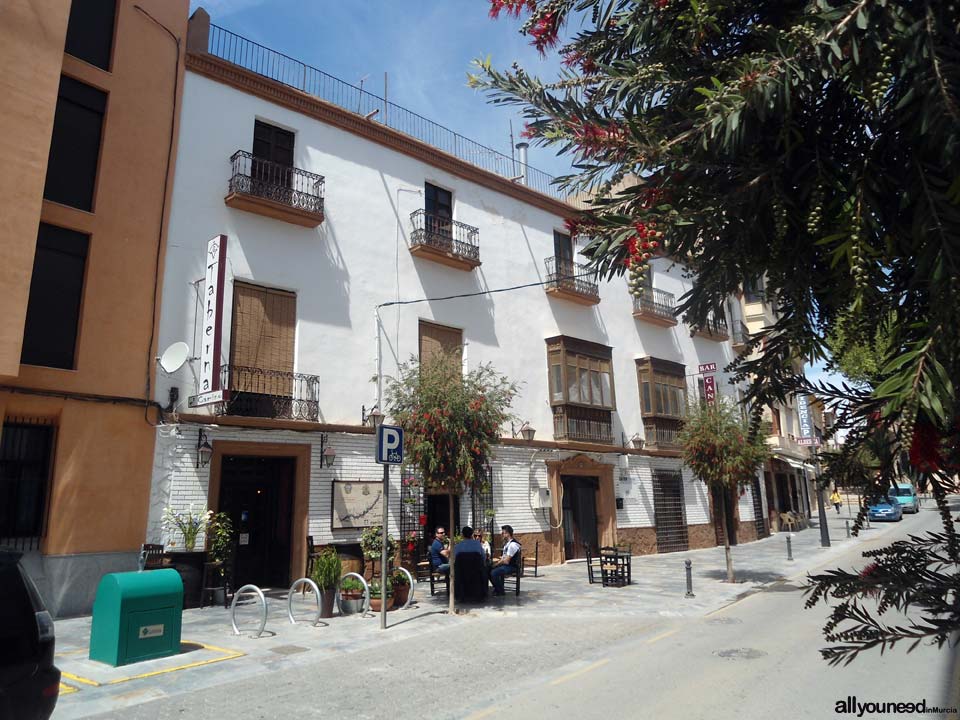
835, 499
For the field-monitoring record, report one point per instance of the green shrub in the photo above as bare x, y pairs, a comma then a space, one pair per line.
327, 569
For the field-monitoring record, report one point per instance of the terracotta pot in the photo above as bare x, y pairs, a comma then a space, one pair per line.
375, 603
400, 594
328, 598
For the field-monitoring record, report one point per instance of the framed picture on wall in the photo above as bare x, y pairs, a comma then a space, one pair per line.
356, 504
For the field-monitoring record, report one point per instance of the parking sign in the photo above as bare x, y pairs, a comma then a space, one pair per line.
389, 445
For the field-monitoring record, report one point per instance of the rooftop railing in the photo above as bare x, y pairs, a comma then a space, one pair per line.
262, 60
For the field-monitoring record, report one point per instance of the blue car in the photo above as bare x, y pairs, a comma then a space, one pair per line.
885, 509
905, 495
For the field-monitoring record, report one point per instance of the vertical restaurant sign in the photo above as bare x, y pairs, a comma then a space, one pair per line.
709, 389
216, 266
807, 436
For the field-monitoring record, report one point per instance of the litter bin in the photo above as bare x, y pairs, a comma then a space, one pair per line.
136, 616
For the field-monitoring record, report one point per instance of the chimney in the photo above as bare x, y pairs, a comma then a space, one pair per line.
522, 151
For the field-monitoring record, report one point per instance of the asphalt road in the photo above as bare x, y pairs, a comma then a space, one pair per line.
756, 657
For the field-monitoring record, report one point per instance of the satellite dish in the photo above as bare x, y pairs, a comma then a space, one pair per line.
174, 357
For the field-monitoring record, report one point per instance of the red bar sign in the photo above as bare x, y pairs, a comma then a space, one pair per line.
707, 367
709, 389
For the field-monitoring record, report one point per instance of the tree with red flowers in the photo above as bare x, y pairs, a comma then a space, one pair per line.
814, 144
718, 447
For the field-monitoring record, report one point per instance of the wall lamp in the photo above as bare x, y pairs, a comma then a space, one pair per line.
526, 431
327, 453
204, 449
372, 418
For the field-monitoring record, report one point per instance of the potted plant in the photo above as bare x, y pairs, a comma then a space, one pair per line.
401, 588
376, 596
371, 543
188, 524
351, 596
326, 571
220, 545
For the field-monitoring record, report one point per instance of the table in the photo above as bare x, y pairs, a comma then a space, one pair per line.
615, 568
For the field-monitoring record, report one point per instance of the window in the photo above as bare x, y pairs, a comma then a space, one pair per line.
580, 372
753, 290
262, 340
90, 31
25, 451
272, 158
663, 388
56, 289
438, 204
75, 144
562, 247
440, 339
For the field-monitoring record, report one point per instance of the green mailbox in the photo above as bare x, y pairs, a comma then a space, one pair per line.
136, 616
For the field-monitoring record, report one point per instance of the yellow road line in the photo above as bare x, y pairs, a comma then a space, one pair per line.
651, 641
228, 655
581, 671
67, 689
482, 713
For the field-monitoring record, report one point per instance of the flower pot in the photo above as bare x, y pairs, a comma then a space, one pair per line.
375, 603
351, 604
400, 594
328, 599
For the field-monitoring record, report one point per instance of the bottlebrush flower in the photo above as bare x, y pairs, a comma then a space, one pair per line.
512, 7
545, 32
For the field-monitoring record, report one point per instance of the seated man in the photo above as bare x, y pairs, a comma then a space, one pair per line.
505, 564
439, 553
470, 577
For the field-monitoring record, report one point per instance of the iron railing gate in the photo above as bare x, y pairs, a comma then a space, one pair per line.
758, 517
668, 508
482, 501
413, 543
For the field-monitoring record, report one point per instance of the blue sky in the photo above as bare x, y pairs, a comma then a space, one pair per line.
425, 46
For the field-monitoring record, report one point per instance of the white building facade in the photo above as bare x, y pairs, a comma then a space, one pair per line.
327, 214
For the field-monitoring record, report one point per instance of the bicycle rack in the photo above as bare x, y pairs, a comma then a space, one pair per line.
365, 611
413, 584
316, 593
248, 590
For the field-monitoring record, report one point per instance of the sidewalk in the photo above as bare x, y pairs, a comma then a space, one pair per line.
213, 655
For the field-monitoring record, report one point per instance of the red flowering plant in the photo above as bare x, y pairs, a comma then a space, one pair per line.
450, 419
719, 448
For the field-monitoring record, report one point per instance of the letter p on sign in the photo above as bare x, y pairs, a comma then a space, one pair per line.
389, 445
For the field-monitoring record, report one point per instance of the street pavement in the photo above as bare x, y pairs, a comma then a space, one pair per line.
564, 648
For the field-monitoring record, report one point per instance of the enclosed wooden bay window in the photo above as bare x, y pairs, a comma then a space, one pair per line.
581, 389
663, 400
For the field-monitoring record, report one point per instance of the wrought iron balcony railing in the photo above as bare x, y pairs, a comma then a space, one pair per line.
446, 236
256, 392
279, 183
656, 304
714, 329
582, 424
572, 280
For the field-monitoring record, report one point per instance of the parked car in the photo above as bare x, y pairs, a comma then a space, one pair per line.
885, 509
29, 681
905, 495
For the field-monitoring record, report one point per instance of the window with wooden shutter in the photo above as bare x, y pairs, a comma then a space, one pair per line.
437, 339
262, 340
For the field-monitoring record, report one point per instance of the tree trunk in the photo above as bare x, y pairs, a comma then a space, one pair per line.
726, 537
452, 606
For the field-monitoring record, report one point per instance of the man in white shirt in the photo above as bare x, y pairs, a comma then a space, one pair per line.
507, 563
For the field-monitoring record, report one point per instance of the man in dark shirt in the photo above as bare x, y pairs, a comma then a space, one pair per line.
439, 554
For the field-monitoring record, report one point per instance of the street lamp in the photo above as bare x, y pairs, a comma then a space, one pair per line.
637, 441
371, 419
526, 431
204, 449
327, 453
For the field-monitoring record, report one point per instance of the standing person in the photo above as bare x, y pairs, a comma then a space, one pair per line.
506, 563
439, 552
835, 499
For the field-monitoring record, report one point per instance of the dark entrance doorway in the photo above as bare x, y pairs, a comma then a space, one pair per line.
668, 512
718, 507
438, 513
579, 515
257, 494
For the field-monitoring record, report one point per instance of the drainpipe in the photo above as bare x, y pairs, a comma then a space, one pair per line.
522, 151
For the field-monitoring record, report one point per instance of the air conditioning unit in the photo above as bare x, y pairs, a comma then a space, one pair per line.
542, 500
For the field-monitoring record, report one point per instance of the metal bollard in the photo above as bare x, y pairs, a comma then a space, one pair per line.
789, 549
848, 528
689, 567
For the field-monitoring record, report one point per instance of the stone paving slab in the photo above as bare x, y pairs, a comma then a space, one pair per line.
560, 591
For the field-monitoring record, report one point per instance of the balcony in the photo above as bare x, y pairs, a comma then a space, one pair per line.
580, 424
662, 433
571, 281
741, 336
274, 190
715, 329
655, 307
255, 392
454, 244
788, 445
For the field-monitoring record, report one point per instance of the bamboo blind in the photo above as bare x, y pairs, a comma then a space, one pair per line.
264, 325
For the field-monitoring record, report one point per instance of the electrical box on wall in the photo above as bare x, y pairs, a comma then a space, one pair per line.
541, 499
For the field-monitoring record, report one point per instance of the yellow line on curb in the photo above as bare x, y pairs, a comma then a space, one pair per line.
581, 671
67, 689
482, 713
228, 655
651, 641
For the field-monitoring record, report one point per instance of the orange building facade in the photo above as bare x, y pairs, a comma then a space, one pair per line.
89, 130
